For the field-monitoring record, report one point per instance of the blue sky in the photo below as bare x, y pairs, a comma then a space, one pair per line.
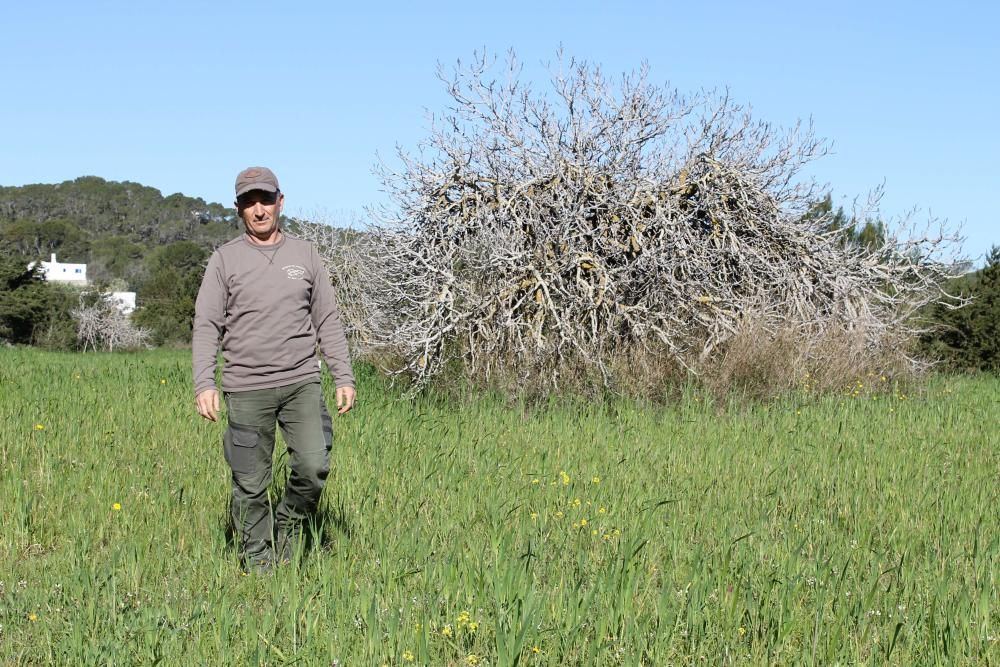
182, 95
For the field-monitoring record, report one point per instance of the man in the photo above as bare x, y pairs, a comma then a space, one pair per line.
268, 297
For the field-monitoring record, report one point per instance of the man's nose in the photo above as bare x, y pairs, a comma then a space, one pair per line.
258, 210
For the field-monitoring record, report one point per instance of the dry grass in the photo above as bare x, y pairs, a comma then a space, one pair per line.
755, 364
764, 365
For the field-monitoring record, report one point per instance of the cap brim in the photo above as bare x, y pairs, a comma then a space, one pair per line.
266, 187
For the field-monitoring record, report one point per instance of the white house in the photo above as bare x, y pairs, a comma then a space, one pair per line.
69, 273
77, 274
125, 301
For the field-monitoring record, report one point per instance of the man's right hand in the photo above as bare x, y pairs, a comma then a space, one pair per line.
207, 404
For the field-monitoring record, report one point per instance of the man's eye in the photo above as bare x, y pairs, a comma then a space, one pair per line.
266, 201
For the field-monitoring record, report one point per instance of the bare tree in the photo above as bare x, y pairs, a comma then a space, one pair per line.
101, 325
340, 238
532, 231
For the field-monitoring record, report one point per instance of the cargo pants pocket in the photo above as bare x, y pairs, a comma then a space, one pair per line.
241, 447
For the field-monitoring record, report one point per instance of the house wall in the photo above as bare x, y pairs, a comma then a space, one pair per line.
59, 271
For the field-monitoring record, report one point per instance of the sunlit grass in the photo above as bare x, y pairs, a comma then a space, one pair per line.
857, 528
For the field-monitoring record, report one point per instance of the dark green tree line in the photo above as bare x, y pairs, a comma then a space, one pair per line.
969, 338
33, 311
110, 226
167, 295
869, 234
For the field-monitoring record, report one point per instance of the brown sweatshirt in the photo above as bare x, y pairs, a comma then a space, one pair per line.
270, 306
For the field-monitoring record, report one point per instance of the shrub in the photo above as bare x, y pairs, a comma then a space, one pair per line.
541, 238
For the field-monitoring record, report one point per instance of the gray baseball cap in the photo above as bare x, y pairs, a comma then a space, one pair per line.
256, 178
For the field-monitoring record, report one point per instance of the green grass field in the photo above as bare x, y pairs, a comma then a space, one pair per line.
852, 529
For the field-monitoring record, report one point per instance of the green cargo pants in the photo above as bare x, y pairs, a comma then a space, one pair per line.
300, 411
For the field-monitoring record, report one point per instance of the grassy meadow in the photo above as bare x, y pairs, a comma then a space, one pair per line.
860, 528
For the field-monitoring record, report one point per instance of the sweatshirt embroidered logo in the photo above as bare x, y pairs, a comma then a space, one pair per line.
294, 271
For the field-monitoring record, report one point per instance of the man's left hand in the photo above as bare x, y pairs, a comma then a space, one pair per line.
345, 399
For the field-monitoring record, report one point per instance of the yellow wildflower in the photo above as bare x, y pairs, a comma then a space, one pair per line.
602, 510
743, 631
559, 514
32, 617
576, 502
446, 631
39, 427
472, 626
535, 649
595, 480
535, 481
408, 656
472, 659
565, 477
534, 515
162, 381
583, 522
117, 507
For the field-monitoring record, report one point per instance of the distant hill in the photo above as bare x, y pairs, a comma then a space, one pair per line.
109, 225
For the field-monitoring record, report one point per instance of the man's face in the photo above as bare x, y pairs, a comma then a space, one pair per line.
260, 211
